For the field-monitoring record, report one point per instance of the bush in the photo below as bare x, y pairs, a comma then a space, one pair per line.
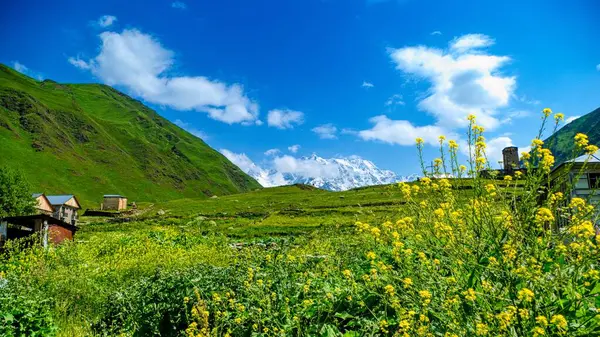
15, 196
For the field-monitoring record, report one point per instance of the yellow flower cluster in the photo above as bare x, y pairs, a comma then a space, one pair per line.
581, 140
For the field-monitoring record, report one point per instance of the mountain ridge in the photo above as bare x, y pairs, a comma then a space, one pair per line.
562, 143
91, 139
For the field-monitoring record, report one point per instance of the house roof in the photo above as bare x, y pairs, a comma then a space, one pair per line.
113, 196
28, 221
62, 199
593, 160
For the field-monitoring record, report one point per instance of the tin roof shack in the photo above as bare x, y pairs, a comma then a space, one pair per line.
43, 205
52, 230
114, 202
65, 207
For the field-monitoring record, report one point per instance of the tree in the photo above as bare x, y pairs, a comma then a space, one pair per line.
15, 196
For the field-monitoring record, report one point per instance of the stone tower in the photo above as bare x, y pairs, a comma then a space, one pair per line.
510, 156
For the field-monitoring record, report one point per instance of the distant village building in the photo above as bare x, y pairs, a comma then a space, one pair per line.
114, 202
510, 157
65, 208
52, 230
43, 205
586, 183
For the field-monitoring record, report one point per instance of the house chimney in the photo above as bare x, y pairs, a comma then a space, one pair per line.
510, 155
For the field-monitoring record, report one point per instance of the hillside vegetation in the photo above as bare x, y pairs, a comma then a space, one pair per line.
438, 257
90, 140
561, 142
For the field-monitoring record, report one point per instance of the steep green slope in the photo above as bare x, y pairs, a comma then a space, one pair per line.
90, 140
562, 144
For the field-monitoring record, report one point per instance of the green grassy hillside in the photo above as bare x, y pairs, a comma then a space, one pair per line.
90, 140
561, 143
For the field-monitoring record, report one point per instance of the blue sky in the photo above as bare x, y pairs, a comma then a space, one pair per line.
335, 77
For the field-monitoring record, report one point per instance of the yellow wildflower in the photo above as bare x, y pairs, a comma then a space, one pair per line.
559, 321
425, 296
559, 117
547, 112
389, 289
407, 282
508, 178
371, 255
525, 295
537, 143
481, 329
538, 331
541, 320
471, 118
591, 149
544, 215
581, 140
442, 138
470, 294
419, 141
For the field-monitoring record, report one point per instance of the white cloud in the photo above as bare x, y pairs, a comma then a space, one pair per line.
187, 127
79, 63
304, 167
366, 84
284, 119
272, 152
470, 41
20, 67
402, 132
179, 5
437, 32
294, 148
515, 114
494, 149
395, 99
106, 20
570, 119
139, 62
263, 176
325, 131
464, 80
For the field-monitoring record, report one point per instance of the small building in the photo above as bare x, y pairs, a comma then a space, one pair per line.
43, 205
510, 158
52, 230
65, 207
585, 184
114, 202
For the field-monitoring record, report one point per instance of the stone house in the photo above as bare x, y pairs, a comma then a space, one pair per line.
114, 202
65, 207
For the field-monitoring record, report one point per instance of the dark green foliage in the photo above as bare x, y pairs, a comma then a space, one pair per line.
24, 316
562, 144
90, 140
15, 196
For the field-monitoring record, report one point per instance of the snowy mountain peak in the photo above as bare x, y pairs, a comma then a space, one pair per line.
335, 174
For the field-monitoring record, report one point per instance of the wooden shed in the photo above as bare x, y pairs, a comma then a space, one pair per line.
114, 202
43, 205
52, 230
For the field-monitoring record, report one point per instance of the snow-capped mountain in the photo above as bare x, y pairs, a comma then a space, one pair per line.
334, 174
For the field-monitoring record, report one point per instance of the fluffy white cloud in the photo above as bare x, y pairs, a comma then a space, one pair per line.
272, 152
464, 80
304, 167
366, 84
395, 99
284, 119
437, 32
402, 132
139, 62
325, 131
106, 20
470, 41
294, 148
494, 149
187, 127
570, 119
179, 5
264, 177
26, 71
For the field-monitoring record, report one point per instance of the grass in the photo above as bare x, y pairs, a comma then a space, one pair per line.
91, 140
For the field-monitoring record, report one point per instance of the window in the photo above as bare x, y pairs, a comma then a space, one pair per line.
594, 180
582, 182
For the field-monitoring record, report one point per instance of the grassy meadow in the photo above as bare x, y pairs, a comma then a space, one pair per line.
440, 257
